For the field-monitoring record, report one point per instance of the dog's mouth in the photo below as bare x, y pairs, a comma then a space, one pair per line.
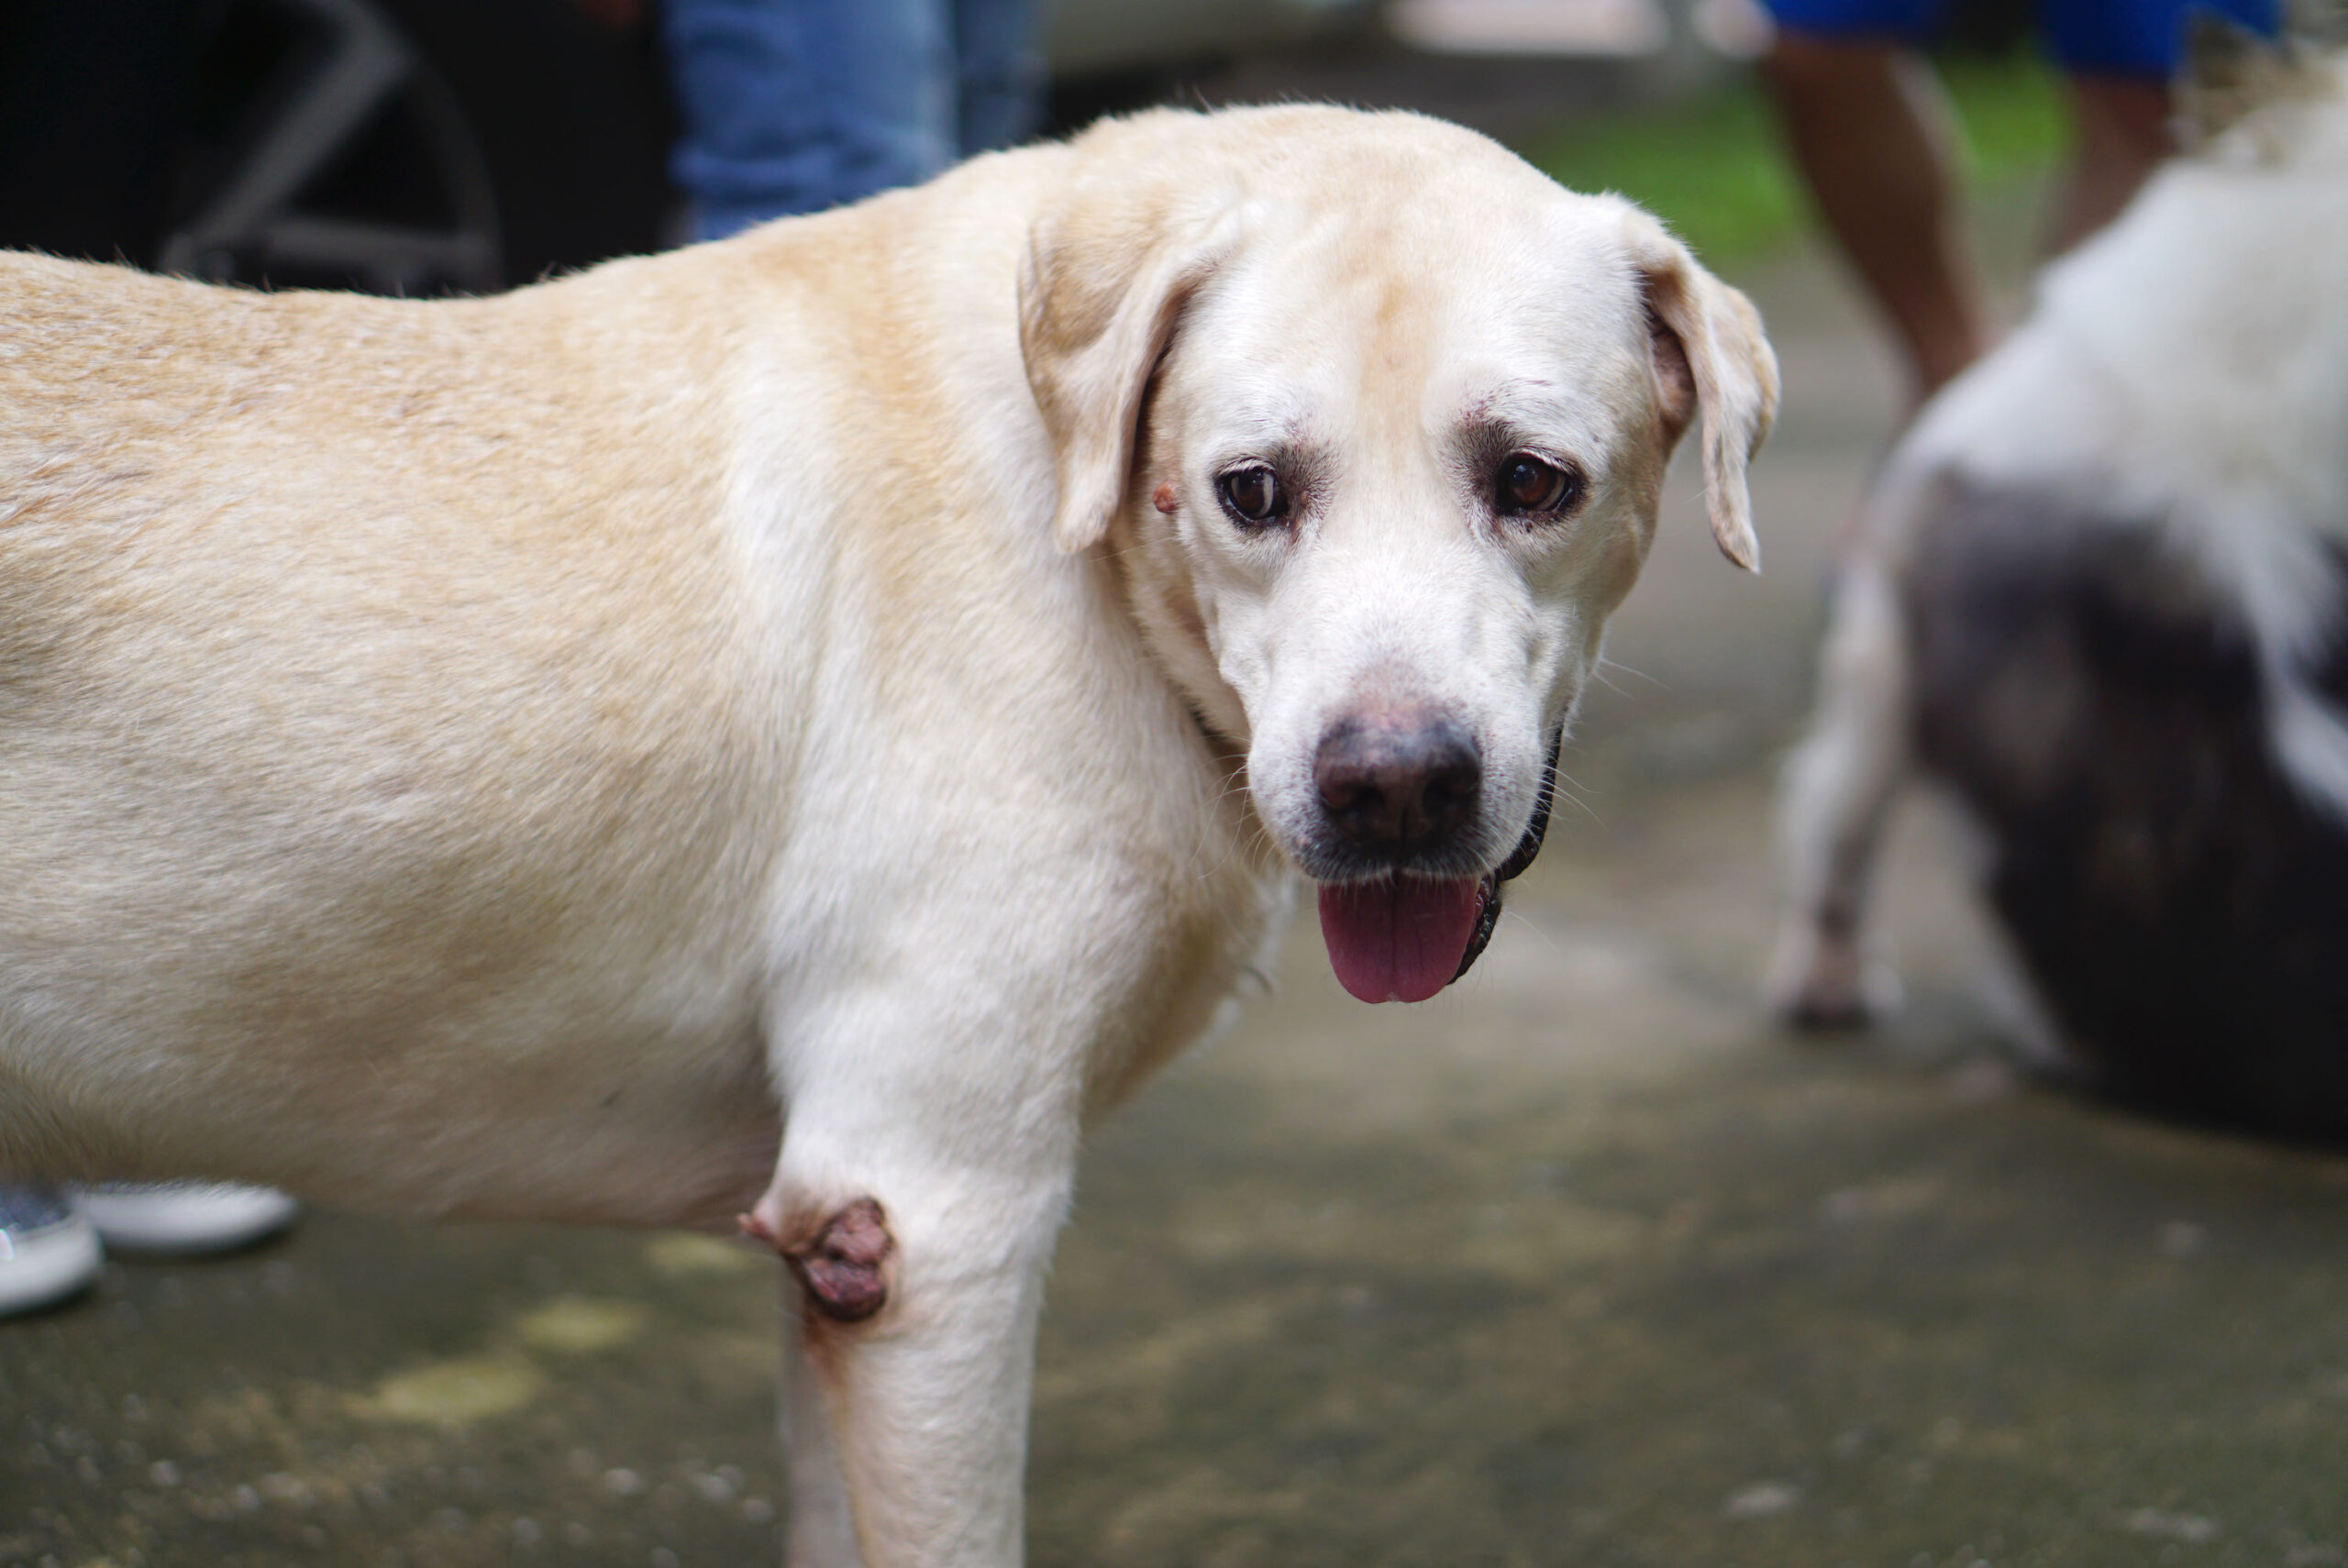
1400, 938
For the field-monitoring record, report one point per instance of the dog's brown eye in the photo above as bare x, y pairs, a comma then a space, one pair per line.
1252, 495
1526, 485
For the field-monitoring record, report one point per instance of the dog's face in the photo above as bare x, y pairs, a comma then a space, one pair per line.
1396, 416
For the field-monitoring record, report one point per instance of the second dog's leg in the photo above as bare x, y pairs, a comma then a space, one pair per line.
1834, 800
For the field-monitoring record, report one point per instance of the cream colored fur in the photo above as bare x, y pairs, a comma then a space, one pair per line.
736, 729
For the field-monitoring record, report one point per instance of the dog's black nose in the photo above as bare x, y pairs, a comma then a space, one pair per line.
1398, 782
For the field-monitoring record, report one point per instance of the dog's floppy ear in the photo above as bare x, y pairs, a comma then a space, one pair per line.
1102, 287
1708, 351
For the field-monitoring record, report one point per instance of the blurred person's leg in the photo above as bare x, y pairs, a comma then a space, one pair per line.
797, 105
2120, 132
999, 78
2120, 57
1876, 140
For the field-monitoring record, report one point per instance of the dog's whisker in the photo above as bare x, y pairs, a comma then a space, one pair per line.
1608, 665
1568, 789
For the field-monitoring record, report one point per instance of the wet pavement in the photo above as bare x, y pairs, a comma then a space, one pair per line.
1582, 1264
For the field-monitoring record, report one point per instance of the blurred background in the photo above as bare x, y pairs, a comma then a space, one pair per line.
1586, 1262
432, 146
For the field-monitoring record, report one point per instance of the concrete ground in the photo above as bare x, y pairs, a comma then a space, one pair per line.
1582, 1264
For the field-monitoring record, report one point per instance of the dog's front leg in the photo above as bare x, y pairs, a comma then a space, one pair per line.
1829, 968
821, 1525
917, 1212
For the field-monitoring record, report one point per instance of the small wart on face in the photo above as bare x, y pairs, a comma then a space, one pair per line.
1163, 498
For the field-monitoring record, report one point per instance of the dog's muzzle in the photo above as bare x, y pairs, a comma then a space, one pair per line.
1521, 858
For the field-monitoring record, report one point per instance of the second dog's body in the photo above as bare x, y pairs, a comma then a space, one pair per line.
2099, 599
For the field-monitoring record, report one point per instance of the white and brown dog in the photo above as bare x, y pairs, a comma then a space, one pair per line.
2100, 597
799, 724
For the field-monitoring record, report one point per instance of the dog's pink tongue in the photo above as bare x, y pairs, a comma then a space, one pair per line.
1399, 938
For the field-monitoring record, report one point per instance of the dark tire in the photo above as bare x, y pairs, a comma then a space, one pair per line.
573, 120
415, 147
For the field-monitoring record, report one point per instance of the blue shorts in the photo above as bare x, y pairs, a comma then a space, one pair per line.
2133, 37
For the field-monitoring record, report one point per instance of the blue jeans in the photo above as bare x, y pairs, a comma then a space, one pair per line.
796, 106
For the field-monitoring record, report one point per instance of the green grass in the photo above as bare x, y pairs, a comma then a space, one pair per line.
1715, 169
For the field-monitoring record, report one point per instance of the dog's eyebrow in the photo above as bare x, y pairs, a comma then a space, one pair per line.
1278, 434
1483, 443
1541, 415
1266, 421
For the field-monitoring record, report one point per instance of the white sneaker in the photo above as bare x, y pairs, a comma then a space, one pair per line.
185, 1217
46, 1251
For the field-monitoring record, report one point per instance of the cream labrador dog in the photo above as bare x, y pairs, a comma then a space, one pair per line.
800, 724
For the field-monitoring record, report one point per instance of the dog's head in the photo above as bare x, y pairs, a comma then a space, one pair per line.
1375, 417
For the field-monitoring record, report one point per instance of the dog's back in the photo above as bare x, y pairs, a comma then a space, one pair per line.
322, 603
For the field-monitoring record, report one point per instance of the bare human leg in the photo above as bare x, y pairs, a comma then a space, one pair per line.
1876, 140
2121, 127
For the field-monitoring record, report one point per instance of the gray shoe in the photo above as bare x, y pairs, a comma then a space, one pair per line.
181, 1218
48, 1251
